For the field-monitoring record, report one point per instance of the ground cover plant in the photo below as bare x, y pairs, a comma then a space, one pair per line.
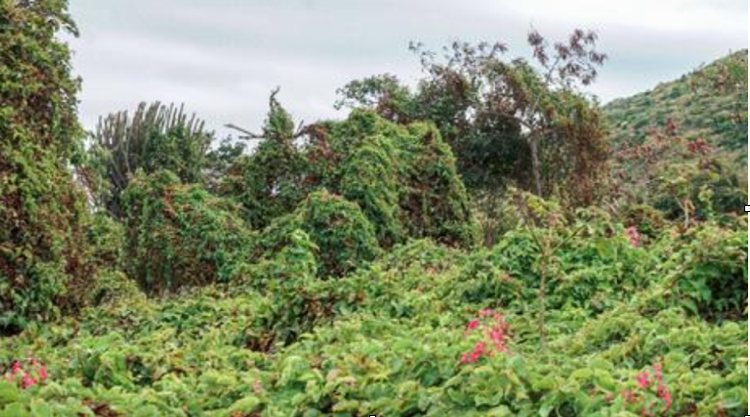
374, 265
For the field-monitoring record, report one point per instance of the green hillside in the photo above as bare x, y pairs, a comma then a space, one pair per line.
708, 103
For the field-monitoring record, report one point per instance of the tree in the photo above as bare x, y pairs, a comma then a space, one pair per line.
155, 137
42, 212
508, 121
271, 181
403, 177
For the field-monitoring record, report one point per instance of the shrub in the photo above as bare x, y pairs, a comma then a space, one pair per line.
708, 271
106, 240
699, 189
370, 179
289, 279
112, 287
648, 220
344, 237
178, 234
434, 199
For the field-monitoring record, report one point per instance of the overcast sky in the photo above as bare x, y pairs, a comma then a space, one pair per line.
223, 57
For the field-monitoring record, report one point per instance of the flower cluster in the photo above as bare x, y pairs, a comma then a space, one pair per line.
645, 381
633, 236
698, 146
493, 332
35, 372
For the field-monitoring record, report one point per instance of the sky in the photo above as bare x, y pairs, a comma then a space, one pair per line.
221, 58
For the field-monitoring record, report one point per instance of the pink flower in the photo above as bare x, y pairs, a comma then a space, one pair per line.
43, 373
666, 396
15, 368
642, 380
466, 358
633, 236
497, 335
27, 381
479, 350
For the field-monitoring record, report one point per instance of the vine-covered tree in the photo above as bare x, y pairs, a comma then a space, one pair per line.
270, 182
42, 213
507, 120
155, 137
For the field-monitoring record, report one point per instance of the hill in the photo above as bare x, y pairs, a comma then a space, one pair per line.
709, 103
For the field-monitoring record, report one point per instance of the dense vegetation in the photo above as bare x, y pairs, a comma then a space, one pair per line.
477, 245
708, 103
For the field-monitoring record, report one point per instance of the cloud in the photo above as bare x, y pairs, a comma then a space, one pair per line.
223, 57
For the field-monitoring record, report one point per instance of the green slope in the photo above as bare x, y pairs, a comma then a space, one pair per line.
709, 103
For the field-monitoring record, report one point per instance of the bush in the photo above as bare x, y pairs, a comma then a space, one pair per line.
178, 234
708, 271
106, 240
294, 305
700, 189
370, 179
434, 199
267, 184
343, 236
112, 287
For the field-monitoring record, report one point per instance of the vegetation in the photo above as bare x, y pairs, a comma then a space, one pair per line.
179, 234
341, 248
43, 215
399, 337
344, 268
508, 121
709, 103
403, 178
157, 137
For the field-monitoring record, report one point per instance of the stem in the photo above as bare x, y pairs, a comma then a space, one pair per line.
542, 291
535, 168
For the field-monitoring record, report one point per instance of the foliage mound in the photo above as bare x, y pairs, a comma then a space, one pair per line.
403, 177
424, 330
179, 234
342, 235
271, 181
